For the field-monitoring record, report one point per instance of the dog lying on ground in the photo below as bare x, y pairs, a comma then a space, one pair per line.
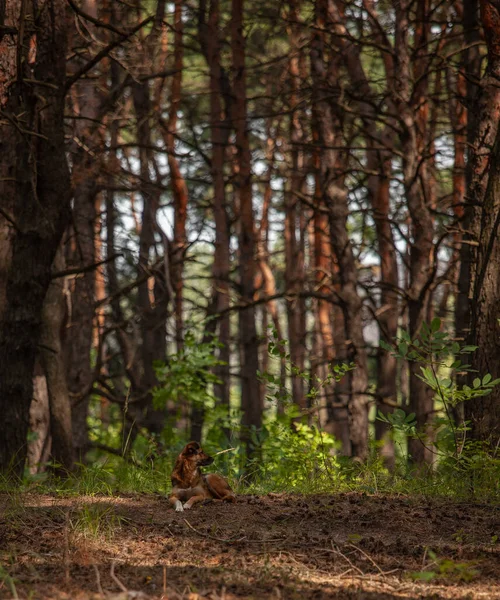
189, 485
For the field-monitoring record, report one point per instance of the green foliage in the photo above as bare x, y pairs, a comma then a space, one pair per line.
442, 370
294, 456
187, 374
441, 356
278, 393
399, 420
9, 582
292, 453
445, 569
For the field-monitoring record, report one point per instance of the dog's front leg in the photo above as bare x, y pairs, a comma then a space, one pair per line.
176, 503
199, 497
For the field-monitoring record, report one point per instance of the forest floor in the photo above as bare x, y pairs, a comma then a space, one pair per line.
279, 546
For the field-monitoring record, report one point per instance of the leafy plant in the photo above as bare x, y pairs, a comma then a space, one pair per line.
445, 569
441, 359
278, 393
188, 374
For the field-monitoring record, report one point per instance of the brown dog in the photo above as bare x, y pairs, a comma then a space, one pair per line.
190, 486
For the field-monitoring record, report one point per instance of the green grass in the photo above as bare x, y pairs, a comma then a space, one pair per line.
9, 582
302, 474
95, 521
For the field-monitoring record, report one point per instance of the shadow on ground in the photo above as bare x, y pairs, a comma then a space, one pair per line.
279, 546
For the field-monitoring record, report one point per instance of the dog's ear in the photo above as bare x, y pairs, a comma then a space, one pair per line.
192, 448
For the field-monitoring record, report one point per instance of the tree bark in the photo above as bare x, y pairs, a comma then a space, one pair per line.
251, 403
412, 103
335, 199
40, 443
220, 126
153, 292
33, 155
471, 59
294, 256
179, 188
51, 354
484, 190
78, 335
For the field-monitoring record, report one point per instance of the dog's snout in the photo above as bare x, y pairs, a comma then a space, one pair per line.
206, 460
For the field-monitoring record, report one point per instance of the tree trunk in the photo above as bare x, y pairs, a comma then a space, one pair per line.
335, 199
51, 353
153, 292
220, 127
388, 313
78, 333
412, 104
39, 191
250, 398
471, 59
294, 256
179, 188
78, 336
325, 345
268, 280
484, 413
40, 443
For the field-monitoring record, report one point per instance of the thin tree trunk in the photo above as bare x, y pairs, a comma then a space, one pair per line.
477, 134
268, 285
78, 333
51, 352
412, 104
81, 250
153, 292
294, 256
388, 313
325, 341
179, 188
220, 126
335, 199
250, 398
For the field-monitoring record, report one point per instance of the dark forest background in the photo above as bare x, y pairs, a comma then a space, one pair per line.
256, 224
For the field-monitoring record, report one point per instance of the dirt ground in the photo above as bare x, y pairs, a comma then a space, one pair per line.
342, 546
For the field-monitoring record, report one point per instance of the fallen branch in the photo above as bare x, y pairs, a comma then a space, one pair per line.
212, 537
368, 557
98, 580
115, 578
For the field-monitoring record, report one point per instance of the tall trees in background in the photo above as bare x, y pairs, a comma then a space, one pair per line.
326, 167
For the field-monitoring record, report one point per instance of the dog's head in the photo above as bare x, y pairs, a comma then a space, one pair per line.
193, 453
